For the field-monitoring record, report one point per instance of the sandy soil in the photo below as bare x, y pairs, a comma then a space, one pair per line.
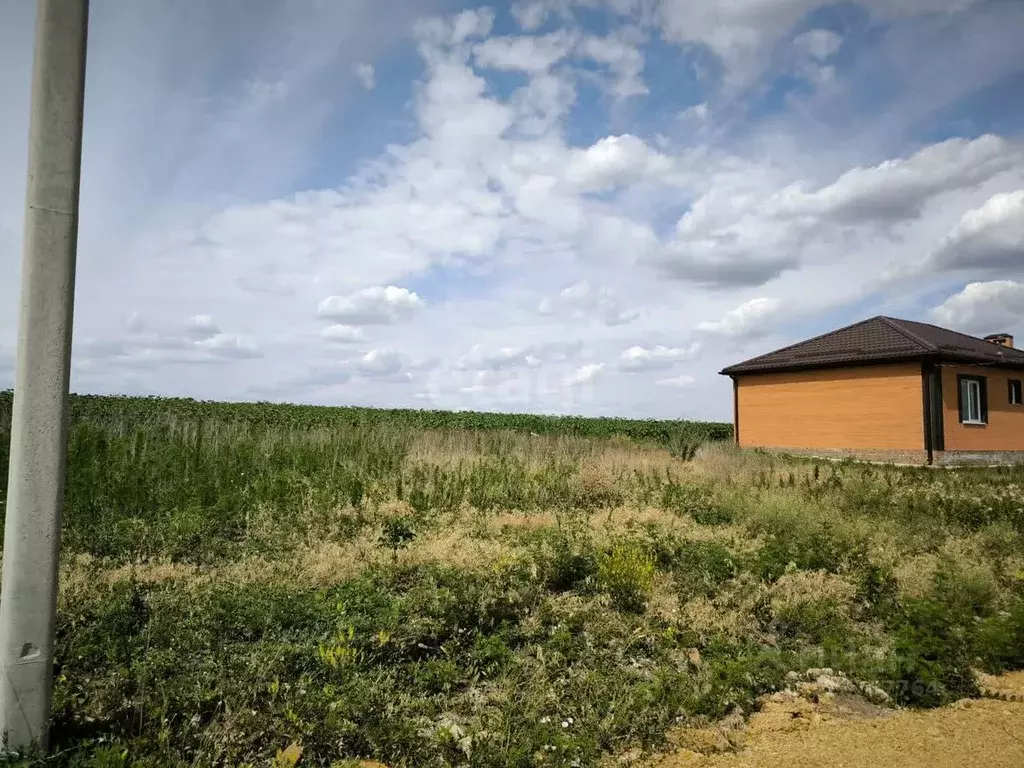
972, 732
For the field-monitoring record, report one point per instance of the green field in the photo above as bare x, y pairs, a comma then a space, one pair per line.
256, 584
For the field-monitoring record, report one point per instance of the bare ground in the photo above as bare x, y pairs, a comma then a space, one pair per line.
971, 732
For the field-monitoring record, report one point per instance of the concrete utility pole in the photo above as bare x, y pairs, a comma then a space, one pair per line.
35, 491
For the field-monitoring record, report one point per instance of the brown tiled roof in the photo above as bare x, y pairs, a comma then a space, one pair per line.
882, 339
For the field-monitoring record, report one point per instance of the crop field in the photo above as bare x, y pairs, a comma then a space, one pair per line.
264, 585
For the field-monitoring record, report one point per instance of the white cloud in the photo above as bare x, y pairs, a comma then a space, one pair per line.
584, 374
372, 306
229, 345
622, 57
748, 229
748, 319
532, 54
201, 342
988, 237
530, 15
484, 358
676, 381
380, 363
343, 334
639, 358
584, 301
898, 189
493, 191
984, 308
367, 76
614, 161
480, 358
543, 103
742, 34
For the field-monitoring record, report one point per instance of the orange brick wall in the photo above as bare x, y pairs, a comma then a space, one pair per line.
1005, 428
866, 407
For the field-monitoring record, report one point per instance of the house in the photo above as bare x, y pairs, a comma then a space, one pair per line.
885, 390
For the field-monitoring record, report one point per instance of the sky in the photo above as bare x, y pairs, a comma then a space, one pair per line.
553, 206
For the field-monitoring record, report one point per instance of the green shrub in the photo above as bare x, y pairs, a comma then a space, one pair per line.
396, 533
999, 644
931, 662
702, 567
565, 559
626, 573
697, 501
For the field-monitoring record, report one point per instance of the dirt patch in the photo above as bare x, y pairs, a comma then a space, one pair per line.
842, 728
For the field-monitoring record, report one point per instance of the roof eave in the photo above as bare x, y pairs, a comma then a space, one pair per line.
940, 357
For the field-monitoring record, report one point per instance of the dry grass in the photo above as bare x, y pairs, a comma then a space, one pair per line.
731, 612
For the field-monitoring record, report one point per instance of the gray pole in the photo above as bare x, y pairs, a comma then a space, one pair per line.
35, 491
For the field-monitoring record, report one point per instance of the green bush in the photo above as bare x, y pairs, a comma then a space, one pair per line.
626, 573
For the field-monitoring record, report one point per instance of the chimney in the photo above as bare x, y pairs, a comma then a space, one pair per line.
1002, 339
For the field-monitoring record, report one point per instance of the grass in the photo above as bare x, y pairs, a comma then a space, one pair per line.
238, 592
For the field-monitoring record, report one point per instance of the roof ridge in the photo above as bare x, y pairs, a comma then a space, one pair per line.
1001, 350
805, 341
897, 325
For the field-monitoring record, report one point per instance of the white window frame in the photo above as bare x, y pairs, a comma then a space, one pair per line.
970, 391
1016, 391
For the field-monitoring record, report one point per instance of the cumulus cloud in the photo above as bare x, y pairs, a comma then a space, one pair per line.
988, 237
584, 374
703, 264
498, 190
614, 161
898, 189
372, 306
383, 362
984, 308
229, 346
532, 54
747, 230
639, 358
367, 76
585, 301
343, 334
749, 319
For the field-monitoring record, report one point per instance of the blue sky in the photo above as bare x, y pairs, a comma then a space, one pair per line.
569, 206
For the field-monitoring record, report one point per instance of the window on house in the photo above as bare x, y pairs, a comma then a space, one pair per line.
973, 400
1016, 394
